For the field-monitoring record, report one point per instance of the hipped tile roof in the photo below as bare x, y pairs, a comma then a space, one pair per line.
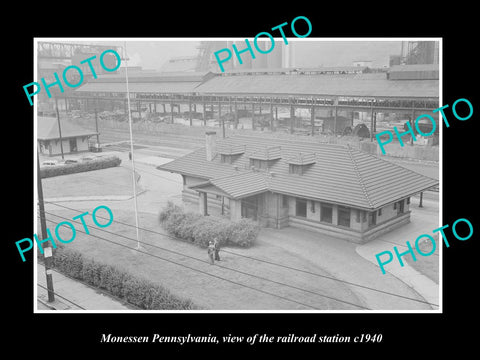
340, 174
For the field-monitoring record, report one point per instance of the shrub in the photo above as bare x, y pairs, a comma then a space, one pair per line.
91, 272
89, 165
135, 290
69, 263
201, 229
168, 211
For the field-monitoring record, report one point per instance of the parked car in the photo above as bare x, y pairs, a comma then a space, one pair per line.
50, 162
71, 161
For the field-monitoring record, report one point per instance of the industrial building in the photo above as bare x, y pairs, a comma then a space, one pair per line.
332, 189
319, 99
326, 92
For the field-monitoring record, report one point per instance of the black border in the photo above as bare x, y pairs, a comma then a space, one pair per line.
81, 332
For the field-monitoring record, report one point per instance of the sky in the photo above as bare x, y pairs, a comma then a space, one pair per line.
151, 54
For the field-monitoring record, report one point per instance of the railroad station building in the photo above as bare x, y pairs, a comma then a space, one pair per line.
332, 189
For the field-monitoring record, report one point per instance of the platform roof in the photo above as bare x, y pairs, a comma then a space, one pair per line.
147, 82
354, 85
167, 87
273, 84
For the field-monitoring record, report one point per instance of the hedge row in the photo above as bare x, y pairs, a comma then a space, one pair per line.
134, 290
201, 229
88, 165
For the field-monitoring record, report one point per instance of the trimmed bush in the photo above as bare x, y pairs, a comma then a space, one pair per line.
200, 229
70, 263
88, 165
135, 290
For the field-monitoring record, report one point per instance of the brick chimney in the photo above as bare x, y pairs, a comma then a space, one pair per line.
210, 142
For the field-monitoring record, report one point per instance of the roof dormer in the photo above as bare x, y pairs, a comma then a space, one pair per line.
265, 158
299, 163
230, 153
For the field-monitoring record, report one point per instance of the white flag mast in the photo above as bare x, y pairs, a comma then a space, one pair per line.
131, 146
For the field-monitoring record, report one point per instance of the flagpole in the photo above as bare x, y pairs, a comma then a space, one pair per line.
131, 146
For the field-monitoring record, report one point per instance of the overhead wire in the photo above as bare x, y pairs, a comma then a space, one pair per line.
98, 289
62, 297
225, 267
198, 270
271, 262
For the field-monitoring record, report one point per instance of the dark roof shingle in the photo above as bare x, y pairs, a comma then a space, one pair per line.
340, 174
47, 129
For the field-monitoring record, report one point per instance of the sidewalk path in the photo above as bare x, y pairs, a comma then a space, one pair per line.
340, 260
76, 292
422, 222
419, 282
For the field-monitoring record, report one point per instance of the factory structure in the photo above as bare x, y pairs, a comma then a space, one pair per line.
315, 100
268, 92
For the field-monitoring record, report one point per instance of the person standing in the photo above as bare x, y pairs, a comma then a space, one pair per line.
211, 251
216, 244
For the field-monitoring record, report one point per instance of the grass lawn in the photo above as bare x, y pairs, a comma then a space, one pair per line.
90, 183
426, 265
206, 291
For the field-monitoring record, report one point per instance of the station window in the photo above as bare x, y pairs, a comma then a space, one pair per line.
326, 212
225, 159
296, 169
344, 216
259, 164
301, 208
372, 218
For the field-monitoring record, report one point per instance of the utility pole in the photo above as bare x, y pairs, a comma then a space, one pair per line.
97, 146
47, 249
59, 128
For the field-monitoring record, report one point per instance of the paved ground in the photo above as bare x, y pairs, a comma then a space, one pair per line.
423, 221
73, 295
340, 259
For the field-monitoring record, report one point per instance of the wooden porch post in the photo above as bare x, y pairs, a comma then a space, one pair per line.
204, 113
253, 115
190, 111
271, 114
335, 118
371, 120
236, 113
202, 203
312, 119
292, 116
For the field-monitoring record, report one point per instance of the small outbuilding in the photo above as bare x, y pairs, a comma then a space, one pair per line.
74, 137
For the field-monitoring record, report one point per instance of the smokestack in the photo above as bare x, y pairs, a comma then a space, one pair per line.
210, 144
